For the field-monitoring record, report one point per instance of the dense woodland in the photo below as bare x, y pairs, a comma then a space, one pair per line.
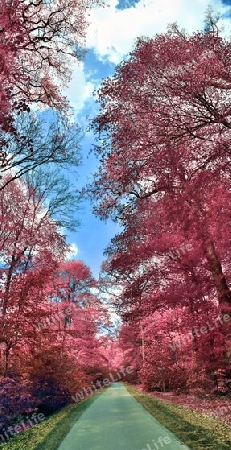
165, 176
51, 342
163, 141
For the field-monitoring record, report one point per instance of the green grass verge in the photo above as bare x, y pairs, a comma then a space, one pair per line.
49, 434
198, 431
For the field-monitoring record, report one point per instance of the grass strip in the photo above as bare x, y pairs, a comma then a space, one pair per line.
49, 434
197, 431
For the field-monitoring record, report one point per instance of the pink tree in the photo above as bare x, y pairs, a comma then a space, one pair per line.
166, 178
166, 111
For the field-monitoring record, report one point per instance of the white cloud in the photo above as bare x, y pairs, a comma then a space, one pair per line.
80, 88
112, 32
73, 251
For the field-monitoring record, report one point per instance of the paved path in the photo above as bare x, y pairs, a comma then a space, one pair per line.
115, 421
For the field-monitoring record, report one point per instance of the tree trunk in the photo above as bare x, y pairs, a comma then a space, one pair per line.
6, 366
142, 344
224, 295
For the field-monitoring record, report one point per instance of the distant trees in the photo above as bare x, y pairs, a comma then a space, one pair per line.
164, 148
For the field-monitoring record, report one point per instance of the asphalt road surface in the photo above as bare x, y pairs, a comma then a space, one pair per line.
115, 421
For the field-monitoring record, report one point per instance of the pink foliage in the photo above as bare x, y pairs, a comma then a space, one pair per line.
166, 179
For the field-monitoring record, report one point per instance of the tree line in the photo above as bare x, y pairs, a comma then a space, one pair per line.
164, 149
51, 316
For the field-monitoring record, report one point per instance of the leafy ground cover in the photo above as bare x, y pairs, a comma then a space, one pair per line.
197, 430
49, 434
206, 404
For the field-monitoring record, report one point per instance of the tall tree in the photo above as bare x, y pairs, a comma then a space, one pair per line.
165, 133
40, 42
31, 248
164, 175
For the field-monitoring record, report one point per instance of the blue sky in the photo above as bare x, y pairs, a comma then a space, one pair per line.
111, 35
